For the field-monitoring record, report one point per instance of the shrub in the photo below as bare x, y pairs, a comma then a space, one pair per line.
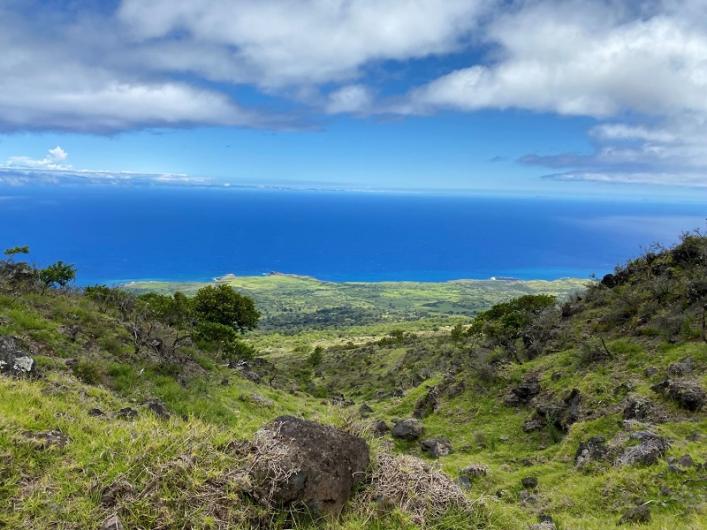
237, 350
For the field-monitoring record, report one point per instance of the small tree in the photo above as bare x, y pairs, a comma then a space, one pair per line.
57, 274
315, 358
221, 304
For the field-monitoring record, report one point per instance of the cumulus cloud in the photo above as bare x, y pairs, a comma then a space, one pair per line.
53, 169
351, 99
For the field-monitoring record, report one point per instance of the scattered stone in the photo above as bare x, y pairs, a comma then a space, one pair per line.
532, 425
127, 413
112, 494
464, 482
650, 371
380, 428
686, 461
474, 470
592, 450
638, 408
95, 412
71, 363
560, 415
409, 429
526, 497
524, 392
225, 382
14, 359
47, 439
639, 514
436, 447
543, 525
529, 482
365, 410
257, 399
688, 394
299, 461
681, 368
398, 392
159, 408
649, 450
112, 523
624, 388
427, 404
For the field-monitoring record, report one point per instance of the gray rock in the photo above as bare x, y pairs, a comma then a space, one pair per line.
650, 371
47, 439
14, 359
427, 404
592, 450
638, 408
127, 413
524, 392
474, 470
639, 514
408, 429
544, 525
681, 368
688, 394
315, 465
464, 482
159, 408
436, 447
529, 482
380, 428
649, 450
96, 412
365, 410
686, 461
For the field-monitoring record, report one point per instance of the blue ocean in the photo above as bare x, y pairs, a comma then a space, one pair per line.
122, 233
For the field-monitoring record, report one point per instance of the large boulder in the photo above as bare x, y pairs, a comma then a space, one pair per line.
301, 462
14, 359
409, 429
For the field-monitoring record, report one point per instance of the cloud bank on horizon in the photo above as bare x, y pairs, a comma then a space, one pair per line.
637, 69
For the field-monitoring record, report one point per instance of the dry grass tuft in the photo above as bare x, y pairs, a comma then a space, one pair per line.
415, 487
272, 463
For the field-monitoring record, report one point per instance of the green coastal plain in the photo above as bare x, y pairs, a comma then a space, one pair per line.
495, 404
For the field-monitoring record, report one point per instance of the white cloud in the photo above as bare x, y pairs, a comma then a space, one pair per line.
351, 99
275, 43
52, 160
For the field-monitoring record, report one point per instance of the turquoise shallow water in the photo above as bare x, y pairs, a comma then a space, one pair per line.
117, 234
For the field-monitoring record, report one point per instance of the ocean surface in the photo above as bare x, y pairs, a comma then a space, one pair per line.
122, 233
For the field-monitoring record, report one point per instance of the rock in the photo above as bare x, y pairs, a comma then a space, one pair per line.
47, 439
257, 399
527, 497
409, 429
681, 368
650, 371
561, 415
427, 404
455, 389
545, 523
159, 408
529, 482
436, 447
112, 523
365, 410
639, 514
299, 461
590, 451
474, 470
14, 359
524, 392
688, 394
398, 392
380, 428
464, 482
532, 425
649, 450
686, 461
638, 408
127, 413
96, 412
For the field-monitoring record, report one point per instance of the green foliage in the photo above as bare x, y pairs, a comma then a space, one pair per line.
457, 333
221, 304
58, 274
237, 350
175, 310
13, 251
315, 358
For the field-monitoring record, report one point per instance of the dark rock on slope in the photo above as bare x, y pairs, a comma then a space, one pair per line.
409, 429
687, 394
302, 462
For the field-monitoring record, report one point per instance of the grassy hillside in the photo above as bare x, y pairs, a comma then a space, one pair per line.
297, 302
584, 411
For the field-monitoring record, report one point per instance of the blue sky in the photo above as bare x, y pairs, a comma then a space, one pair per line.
539, 97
